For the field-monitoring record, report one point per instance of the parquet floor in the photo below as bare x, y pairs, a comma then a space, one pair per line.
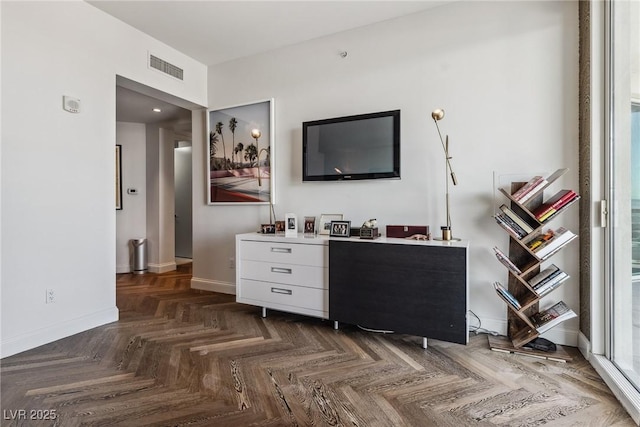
180, 357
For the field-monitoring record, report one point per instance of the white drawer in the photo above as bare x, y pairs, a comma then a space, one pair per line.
292, 274
287, 253
281, 296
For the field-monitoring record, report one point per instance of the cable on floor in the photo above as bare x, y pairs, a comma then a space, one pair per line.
479, 329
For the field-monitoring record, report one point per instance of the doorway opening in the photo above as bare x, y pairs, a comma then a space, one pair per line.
156, 167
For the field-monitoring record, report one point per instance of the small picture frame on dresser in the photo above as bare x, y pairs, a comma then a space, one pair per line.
324, 227
268, 228
309, 225
291, 225
280, 228
340, 229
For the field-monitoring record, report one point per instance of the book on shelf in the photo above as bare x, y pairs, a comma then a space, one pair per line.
552, 284
547, 280
504, 259
552, 214
547, 319
507, 295
537, 184
554, 204
517, 195
543, 275
516, 218
561, 237
509, 225
540, 240
533, 191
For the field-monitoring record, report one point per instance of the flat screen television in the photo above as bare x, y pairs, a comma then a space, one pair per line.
364, 146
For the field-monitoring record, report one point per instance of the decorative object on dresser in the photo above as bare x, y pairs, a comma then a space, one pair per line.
369, 229
417, 232
325, 222
268, 228
340, 229
447, 232
531, 244
239, 173
280, 227
291, 225
309, 225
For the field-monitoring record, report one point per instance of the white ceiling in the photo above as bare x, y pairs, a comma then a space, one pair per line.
132, 106
216, 31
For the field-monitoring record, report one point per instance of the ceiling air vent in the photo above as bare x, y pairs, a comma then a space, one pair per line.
165, 67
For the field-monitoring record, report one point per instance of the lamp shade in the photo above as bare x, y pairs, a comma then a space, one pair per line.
438, 114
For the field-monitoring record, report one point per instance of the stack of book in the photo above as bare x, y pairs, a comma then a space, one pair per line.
561, 199
529, 189
549, 242
547, 319
507, 296
504, 259
547, 280
512, 222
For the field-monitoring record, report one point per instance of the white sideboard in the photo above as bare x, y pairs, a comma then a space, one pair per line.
408, 286
283, 273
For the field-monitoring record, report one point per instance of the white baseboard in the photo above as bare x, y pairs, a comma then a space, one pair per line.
162, 268
121, 269
492, 325
213, 286
57, 331
584, 345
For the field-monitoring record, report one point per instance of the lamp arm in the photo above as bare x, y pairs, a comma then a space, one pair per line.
272, 211
445, 147
258, 166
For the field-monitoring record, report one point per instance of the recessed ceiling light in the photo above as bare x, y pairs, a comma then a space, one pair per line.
157, 110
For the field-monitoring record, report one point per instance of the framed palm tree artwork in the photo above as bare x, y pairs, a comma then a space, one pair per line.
240, 154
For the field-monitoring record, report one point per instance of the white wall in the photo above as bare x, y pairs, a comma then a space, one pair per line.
504, 72
161, 198
58, 215
131, 220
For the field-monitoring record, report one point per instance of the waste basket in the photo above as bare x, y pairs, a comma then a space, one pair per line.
139, 248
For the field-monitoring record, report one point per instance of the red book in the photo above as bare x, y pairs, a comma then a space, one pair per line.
560, 199
528, 186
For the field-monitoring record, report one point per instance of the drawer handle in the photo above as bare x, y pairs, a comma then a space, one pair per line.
282, 291
280, 270
281, 250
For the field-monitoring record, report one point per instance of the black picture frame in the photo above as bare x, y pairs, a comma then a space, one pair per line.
340, 229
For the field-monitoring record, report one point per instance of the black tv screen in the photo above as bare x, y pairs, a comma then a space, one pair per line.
365, 146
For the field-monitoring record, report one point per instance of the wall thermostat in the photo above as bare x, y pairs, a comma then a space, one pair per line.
70, 104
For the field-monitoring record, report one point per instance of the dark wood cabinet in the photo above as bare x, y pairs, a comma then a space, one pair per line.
409, 287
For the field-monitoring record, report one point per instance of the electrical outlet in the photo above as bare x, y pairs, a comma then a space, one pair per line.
232, 263
50, 297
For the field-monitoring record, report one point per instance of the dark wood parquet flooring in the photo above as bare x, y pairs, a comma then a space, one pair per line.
181, 357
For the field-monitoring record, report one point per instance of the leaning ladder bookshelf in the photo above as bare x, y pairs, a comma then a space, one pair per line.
532, 243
